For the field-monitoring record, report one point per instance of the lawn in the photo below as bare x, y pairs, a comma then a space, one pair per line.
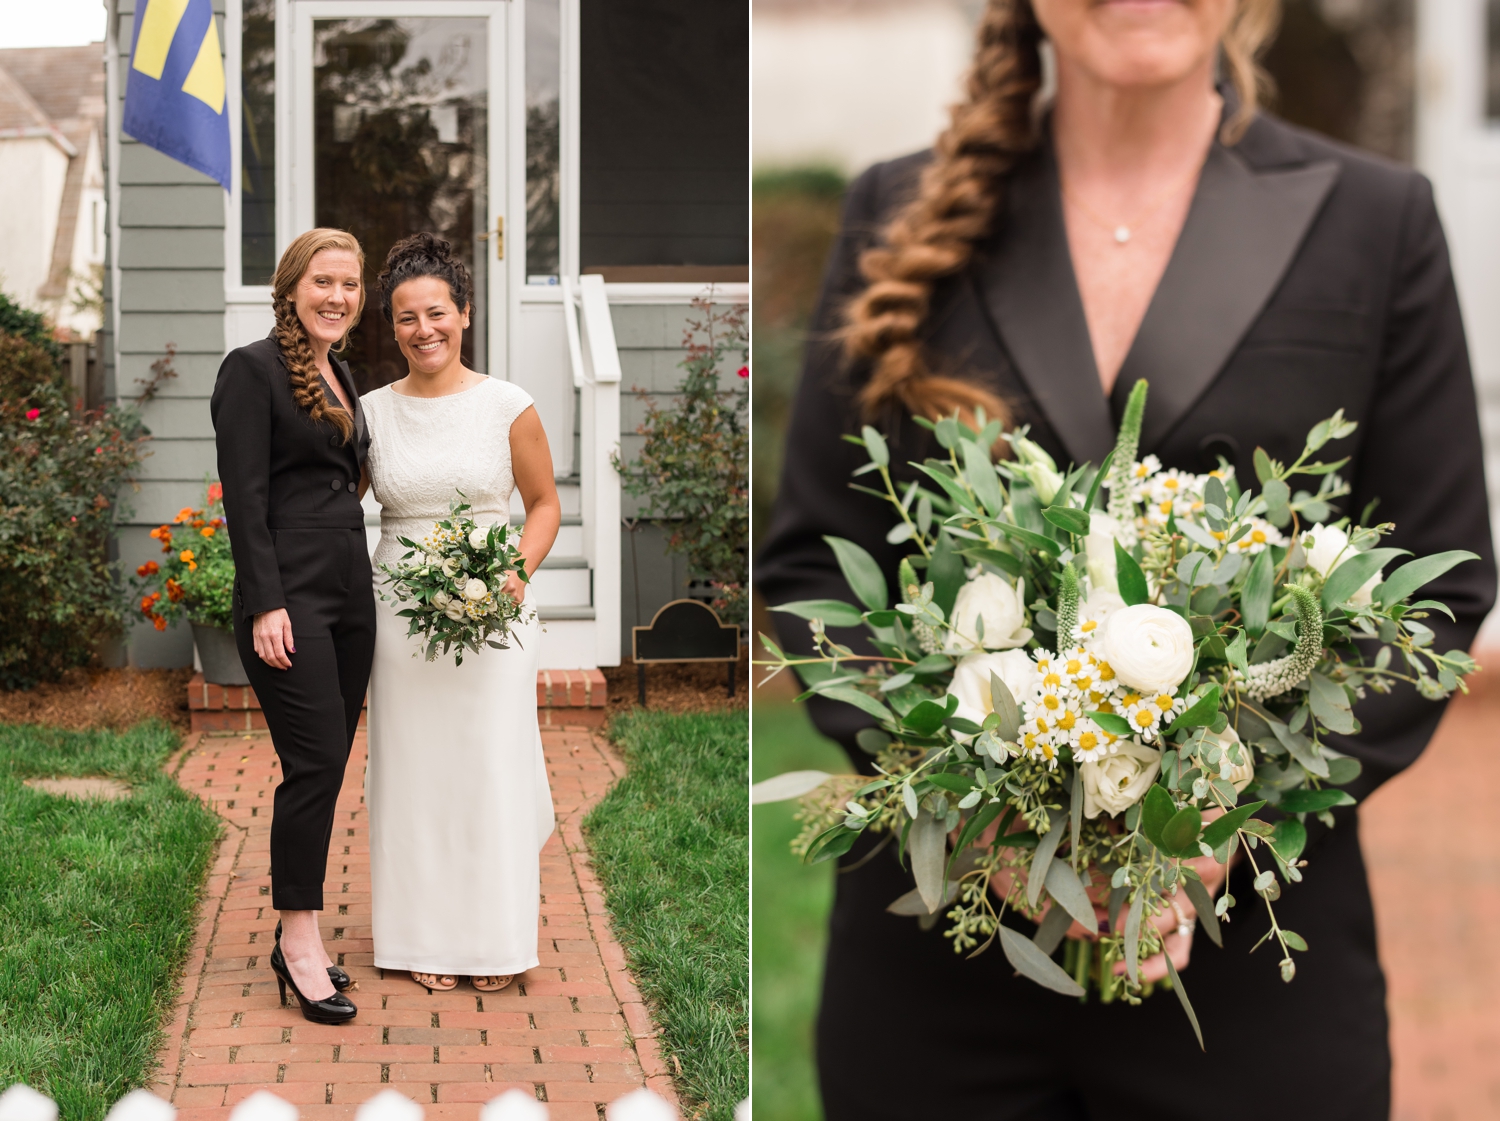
791, 913
670, 845
98, 902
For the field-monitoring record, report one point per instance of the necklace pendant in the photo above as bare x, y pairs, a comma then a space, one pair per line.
1122, 234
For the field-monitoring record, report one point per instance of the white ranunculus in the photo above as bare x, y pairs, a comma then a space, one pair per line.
991, 598
454, 611
1119, 781
441, 599
1240, 775
434, 561
1149, 647
475, 589
479, 537
450, 568
1104, 531
1328, 547
971, 681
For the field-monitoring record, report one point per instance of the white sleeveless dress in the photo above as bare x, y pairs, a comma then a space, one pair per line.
457, 788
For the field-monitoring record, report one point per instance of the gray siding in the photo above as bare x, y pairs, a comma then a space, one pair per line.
171, 290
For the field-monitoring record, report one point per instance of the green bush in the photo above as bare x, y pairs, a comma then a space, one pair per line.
694, 467
59, 478
29, 325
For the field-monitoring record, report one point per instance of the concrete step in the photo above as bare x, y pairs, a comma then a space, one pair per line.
563, 582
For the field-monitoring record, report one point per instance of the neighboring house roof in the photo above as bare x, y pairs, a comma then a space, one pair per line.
61, 89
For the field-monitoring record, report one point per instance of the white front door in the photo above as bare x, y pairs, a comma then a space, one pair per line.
396, 119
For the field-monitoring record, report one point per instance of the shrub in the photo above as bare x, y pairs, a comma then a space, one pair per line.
29, 325
196, 578
693, 469
58, 484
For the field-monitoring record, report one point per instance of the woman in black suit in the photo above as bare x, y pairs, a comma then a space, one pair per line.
1151, 225
292, 443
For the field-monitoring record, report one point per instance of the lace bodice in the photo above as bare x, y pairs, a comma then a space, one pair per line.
423, 450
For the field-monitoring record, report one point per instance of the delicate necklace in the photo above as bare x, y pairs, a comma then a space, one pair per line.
1124, 231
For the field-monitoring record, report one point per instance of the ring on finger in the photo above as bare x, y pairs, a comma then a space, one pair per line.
1184, 924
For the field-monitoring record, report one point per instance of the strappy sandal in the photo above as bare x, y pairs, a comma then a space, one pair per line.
441, 982
492, 983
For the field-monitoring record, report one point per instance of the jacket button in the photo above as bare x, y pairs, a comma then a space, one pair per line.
337, 484
353, 488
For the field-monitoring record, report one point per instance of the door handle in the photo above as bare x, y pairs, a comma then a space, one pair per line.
498, 235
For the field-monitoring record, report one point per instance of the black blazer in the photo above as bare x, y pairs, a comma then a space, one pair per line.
280, 469
1307, 277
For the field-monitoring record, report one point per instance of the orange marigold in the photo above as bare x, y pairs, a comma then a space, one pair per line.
207, 531
159, 622
174, 590
185, 514
150, 568
215, 492
186, 557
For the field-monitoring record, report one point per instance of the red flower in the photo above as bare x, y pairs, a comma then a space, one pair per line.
32, 414
743, 371
215, 491
98, 451
150, 568
159, 622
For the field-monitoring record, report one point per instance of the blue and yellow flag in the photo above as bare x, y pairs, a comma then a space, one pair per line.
174, 97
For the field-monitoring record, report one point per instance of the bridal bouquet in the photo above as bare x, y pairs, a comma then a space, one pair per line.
1074, 697
454, 580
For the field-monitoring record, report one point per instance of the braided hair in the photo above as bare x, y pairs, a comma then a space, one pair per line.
291, 335
424, 255
958, 197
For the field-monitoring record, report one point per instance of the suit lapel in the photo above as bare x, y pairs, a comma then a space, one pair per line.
347, 380
1241, 233
1032, 295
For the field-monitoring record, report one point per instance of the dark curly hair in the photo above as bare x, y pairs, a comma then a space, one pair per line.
424, 255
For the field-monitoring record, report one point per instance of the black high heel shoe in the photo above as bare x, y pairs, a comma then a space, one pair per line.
341, 980
336, 1009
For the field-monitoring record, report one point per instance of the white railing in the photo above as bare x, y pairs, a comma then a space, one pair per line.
21, 1103
596, 372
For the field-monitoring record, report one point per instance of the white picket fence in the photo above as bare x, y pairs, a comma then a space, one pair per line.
22, 1103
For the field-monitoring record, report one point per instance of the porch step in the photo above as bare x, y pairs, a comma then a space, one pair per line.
563, 697
563, 581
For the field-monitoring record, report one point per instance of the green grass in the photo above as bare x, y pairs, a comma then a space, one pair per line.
670, 845
791, 915
98, 902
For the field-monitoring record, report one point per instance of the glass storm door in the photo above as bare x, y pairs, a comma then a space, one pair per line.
399, 127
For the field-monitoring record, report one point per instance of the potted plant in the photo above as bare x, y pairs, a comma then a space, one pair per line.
196, 579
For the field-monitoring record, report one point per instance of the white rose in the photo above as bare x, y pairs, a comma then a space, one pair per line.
1239, 775
1104, 531
971, 681
479, 537
475, 590
1119, 781
992, 599
450, 568
454, 611
1148, 647
441, 599
1327, 548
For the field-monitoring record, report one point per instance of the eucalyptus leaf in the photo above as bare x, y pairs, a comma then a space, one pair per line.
1066, 518
792, 784
875, 445
1222, 828
1129, 577
1180, 834
927, 845
872, 741
1029, 961
1036, 876
831, 611
1203, 903
1412, 575
1067, 889
852, 696
1157, 809
1187, 1005
862, 573
1133, 937
1353, 572
980, 473
1313, 801
1330, 704
912, 904
1195, 569
1255, 597
1050, 932
1289, 838
1004, 705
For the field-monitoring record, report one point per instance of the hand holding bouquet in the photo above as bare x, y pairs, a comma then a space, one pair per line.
456, 582
1074, 700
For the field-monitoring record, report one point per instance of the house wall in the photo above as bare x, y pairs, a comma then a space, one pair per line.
88, 243
171, 290
32, 170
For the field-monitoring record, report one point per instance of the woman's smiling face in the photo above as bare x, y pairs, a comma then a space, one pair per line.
429, 326
1135, 44
328, 295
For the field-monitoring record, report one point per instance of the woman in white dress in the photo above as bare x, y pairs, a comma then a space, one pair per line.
457, 787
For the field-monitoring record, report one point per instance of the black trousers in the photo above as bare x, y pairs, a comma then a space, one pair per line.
313, 708
908, 1029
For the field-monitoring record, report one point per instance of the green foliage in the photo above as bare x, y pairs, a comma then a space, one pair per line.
99, 912
59, 481
694, 468
196, 576
670, 842
29, 325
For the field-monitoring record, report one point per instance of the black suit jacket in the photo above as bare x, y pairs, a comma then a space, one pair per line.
1307, 277
280, 469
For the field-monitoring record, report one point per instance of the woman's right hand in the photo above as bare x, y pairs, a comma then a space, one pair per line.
273, 638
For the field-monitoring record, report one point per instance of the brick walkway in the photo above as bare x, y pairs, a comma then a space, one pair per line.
573, 1031
1432, 843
